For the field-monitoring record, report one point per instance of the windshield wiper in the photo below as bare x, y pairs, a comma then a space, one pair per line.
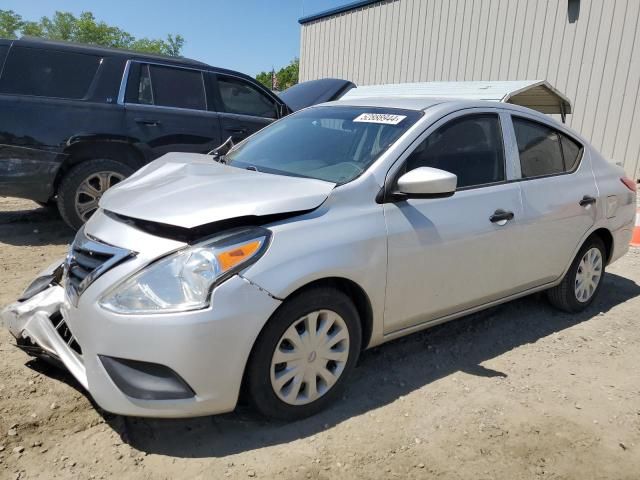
252, 167
217, 154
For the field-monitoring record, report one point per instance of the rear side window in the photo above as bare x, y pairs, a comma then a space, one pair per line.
172, 87
543, 151
48, 73
471, 147
241, 97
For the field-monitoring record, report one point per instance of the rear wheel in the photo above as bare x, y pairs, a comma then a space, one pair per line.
304, 355
582, 281
83, 186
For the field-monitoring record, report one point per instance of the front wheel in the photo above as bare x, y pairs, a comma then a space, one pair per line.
83, 186
304, 354
583, 280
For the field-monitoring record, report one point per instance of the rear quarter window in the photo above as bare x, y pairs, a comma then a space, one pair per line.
48, 73
572, 152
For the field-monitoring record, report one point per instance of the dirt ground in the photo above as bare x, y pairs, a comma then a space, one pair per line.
520, 391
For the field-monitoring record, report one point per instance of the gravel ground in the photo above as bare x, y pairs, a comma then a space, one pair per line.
519, 391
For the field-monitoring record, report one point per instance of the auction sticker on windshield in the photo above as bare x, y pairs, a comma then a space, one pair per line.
384, 118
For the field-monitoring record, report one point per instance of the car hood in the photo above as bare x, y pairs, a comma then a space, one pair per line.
189, 190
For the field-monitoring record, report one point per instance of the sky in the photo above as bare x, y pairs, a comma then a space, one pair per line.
245, 35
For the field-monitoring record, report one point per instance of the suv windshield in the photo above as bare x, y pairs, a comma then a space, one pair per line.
335, 144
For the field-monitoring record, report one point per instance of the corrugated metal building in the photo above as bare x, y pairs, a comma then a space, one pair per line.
587, 49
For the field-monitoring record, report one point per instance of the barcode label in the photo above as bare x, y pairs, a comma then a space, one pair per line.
384, 118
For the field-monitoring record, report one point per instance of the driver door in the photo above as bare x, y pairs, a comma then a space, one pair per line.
445, 255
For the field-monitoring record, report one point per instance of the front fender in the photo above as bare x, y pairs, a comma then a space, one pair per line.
347, 243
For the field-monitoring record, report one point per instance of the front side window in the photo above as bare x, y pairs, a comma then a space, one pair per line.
335, 144
176, 87
48, 73
470, 147
544, 151
241, 97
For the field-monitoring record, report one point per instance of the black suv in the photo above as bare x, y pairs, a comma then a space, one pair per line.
77, 119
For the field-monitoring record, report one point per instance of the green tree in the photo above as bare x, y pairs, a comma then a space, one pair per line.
85, 29
10, 24
286, 76
265, 79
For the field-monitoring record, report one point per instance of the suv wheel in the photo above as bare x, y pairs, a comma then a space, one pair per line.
583, 280
304, 355
83, 186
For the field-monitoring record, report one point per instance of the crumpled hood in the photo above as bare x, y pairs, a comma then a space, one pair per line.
188, 190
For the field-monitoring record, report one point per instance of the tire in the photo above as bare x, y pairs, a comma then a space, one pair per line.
338, 316
74, 205
565, 296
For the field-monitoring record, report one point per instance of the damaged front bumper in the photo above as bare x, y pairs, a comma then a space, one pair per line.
40, 329
164, 365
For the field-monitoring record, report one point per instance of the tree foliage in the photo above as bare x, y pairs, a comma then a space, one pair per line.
85, 29
286, 76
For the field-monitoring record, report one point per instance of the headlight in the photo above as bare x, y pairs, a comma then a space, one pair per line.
183, 280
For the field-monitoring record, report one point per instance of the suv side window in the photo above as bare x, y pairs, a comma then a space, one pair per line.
48, 73
145, 93
543, 150
470, 147
172, 87
241, 97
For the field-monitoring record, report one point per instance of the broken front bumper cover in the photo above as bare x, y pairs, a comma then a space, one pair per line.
40, 329
170, 365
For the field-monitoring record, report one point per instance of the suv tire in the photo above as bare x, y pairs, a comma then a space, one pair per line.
317, 380
83, 186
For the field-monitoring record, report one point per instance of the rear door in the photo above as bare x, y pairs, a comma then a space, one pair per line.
559, 197
244, 108
167, 110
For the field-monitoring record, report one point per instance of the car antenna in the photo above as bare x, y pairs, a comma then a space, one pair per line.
216, 152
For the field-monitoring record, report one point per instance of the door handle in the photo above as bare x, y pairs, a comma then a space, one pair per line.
147, 121
587, 200
501, 216
238, 131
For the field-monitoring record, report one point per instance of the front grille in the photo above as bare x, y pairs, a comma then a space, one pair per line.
84, 263
58, 322
87, 260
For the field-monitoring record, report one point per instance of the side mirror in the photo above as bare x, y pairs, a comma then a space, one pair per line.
427, 182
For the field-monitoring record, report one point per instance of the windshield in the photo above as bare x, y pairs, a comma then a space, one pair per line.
335, 144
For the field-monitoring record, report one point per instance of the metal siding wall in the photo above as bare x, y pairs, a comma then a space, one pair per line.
595, 60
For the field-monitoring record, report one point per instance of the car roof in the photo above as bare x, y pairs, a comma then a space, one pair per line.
104, 51
126, 55
416, 103
421, 103
447, 105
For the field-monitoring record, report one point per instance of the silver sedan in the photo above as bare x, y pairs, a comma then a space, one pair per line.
267, 271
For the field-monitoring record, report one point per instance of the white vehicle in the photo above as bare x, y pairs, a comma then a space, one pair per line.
335, 229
